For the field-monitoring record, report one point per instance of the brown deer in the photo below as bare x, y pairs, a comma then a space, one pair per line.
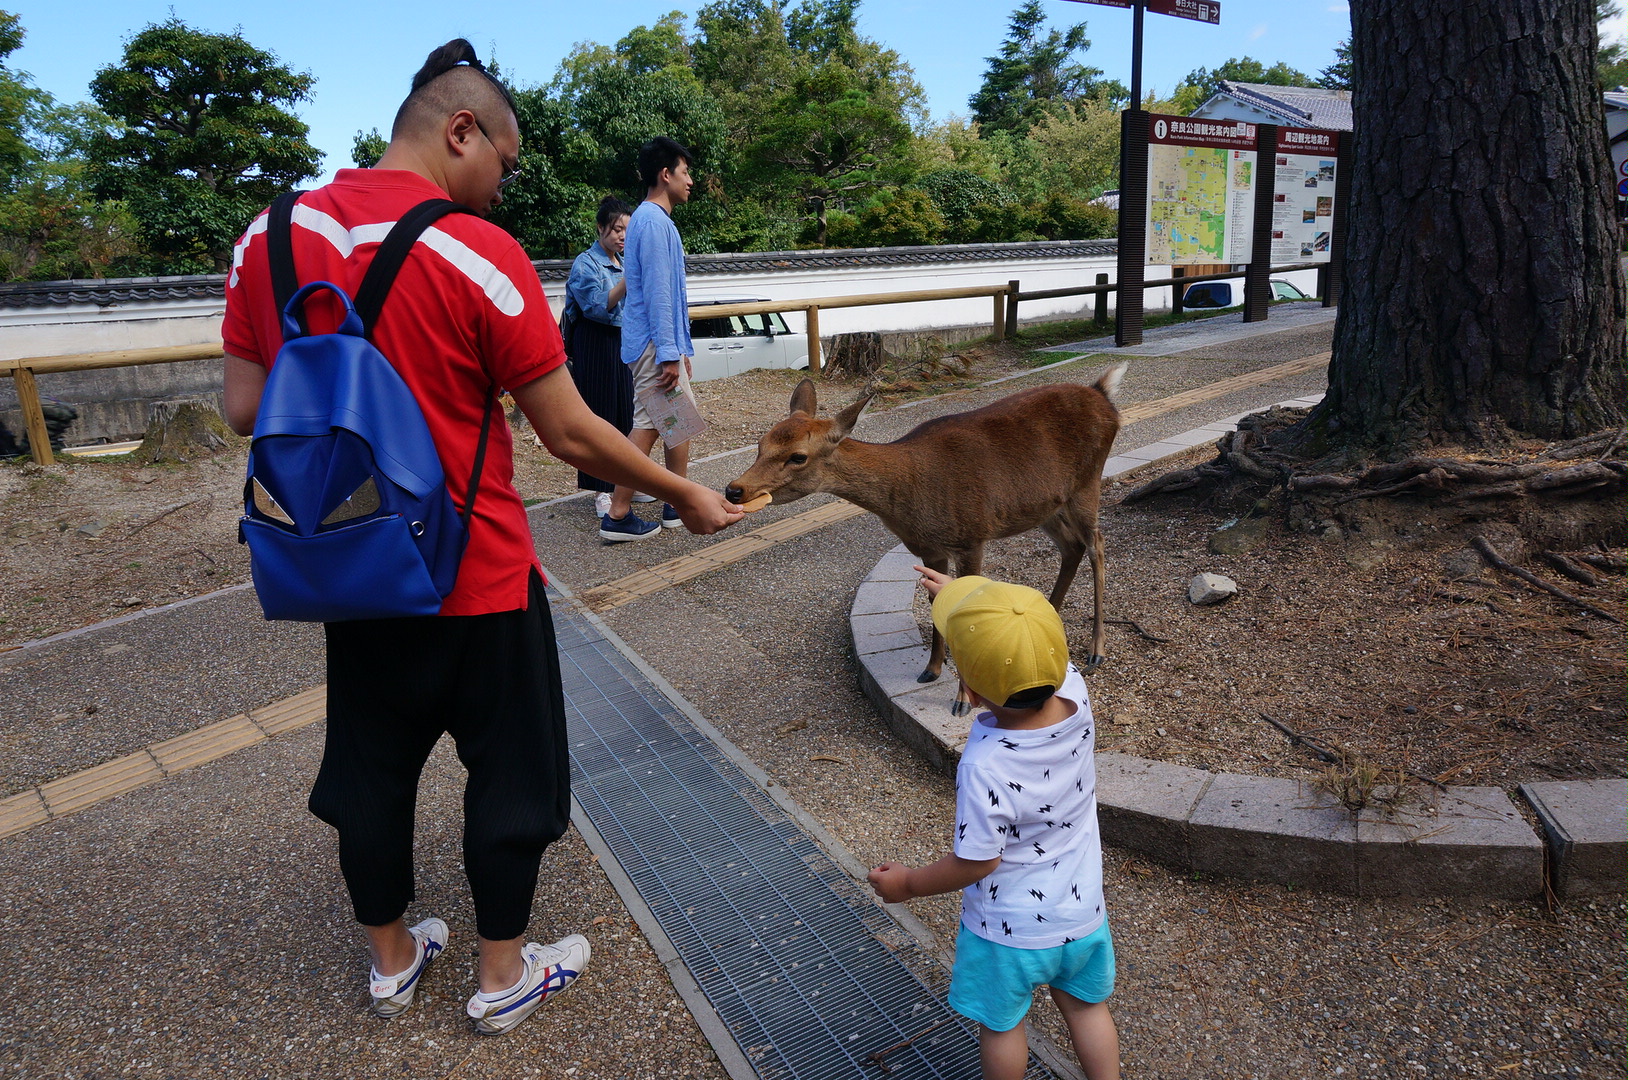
1033, 458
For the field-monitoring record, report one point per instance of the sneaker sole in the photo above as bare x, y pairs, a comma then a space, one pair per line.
671, 524
622, 537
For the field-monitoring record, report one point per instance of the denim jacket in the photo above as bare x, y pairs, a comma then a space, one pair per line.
593, 276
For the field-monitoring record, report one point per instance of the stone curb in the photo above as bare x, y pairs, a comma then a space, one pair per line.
1462, 841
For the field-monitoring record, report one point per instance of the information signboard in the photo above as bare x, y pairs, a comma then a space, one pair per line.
1303, 190
1205, 11
1201, 191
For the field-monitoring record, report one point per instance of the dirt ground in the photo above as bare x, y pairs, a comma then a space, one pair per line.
1411, 659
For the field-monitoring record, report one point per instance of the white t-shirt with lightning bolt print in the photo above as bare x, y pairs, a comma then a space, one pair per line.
1030, 797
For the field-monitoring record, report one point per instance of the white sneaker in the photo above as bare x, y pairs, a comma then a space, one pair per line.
550, 971
639, 496
602, 504
392, 995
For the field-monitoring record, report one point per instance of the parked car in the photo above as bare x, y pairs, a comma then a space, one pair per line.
1223, 294
731, 344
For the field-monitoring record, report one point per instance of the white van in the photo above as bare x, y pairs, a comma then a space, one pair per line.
731, 344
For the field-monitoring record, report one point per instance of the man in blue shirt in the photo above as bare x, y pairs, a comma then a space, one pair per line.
655, 319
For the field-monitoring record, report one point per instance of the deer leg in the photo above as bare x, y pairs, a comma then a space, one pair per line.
935, 656
1099, 574
970, 562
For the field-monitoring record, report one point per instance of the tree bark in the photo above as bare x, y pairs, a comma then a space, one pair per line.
1484, 289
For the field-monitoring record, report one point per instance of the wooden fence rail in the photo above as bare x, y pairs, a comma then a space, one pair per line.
1005, 299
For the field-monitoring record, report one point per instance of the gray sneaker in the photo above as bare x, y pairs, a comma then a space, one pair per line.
392, 995
550, 971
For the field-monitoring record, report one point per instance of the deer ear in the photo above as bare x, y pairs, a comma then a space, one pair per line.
802, 398
845, 420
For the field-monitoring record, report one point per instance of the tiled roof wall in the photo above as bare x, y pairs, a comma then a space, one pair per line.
30, 294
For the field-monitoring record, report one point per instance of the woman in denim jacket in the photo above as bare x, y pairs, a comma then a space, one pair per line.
593, 329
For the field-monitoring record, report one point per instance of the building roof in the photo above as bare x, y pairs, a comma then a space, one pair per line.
1295, 106
107, 291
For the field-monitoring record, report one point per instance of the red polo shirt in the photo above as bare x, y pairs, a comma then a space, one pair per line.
465, 312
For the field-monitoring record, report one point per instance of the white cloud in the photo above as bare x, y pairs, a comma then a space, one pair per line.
1258, 33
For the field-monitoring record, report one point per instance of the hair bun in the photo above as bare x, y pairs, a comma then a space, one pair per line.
444, 59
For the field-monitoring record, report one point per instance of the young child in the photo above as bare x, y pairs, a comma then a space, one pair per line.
1027, 855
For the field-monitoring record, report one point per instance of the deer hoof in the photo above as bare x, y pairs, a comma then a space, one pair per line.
1092, 663
927, 676
961, 708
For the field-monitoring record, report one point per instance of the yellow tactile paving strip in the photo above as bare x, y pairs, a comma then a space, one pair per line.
656, 578
68, 794
121, 775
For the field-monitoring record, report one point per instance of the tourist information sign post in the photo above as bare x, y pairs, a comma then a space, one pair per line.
1133, 163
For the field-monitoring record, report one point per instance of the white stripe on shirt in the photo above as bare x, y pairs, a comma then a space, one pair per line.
476, 267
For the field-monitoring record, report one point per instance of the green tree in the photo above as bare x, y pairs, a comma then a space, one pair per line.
1611, 61
206, 140
367, 148
1202, 83
1337, 76
1034, 75
51, 224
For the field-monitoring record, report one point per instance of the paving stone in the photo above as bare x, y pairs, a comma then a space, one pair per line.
896, 672
206, 744
873, 597
1270, 829
22, 811
91, 786
1467, 841
885, 631
922, 720
1586, 825
896, 565
1144, 805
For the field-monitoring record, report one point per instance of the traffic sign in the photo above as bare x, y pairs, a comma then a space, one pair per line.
1204, 11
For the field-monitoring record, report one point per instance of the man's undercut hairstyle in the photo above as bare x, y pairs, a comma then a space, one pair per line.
611, 208
661, 153
453, 78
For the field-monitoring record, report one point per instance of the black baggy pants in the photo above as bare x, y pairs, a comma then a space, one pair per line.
493, 683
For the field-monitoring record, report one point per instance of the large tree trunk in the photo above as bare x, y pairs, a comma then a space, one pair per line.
1484, 291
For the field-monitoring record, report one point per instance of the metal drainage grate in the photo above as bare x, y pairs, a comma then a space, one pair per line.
808, 973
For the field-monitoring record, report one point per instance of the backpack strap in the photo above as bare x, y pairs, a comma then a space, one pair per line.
381, 272
280, 252
370, 296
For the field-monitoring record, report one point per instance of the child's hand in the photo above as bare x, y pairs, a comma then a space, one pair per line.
932, 580
891, 881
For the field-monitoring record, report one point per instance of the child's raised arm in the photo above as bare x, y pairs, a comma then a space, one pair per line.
932, 580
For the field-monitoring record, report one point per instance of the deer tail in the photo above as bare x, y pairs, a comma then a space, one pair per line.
1109, 383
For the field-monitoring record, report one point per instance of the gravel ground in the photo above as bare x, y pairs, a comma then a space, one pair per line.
222, 873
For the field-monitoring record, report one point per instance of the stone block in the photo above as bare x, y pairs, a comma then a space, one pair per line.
1269, 829
1585, 823
1143, 806
1467, 841
895, 672
874, 597
884, 631
922, 720
896, 565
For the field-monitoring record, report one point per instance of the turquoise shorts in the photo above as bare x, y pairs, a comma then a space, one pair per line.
994, 984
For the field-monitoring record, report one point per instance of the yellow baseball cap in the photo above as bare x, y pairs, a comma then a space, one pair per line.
1007, 640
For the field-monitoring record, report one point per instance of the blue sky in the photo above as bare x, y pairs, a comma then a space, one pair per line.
363, 54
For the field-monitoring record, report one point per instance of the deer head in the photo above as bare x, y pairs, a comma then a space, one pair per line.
794, 455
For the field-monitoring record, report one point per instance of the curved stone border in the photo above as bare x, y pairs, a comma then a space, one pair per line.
1464, 841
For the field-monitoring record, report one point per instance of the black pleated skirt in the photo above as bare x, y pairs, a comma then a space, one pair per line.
604, 382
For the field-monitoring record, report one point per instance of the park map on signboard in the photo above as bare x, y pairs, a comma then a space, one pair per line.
1201, 191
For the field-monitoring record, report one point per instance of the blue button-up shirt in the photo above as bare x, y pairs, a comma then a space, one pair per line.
593, 276
657, 305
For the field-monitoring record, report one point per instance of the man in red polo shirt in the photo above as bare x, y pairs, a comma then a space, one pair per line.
465, 313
